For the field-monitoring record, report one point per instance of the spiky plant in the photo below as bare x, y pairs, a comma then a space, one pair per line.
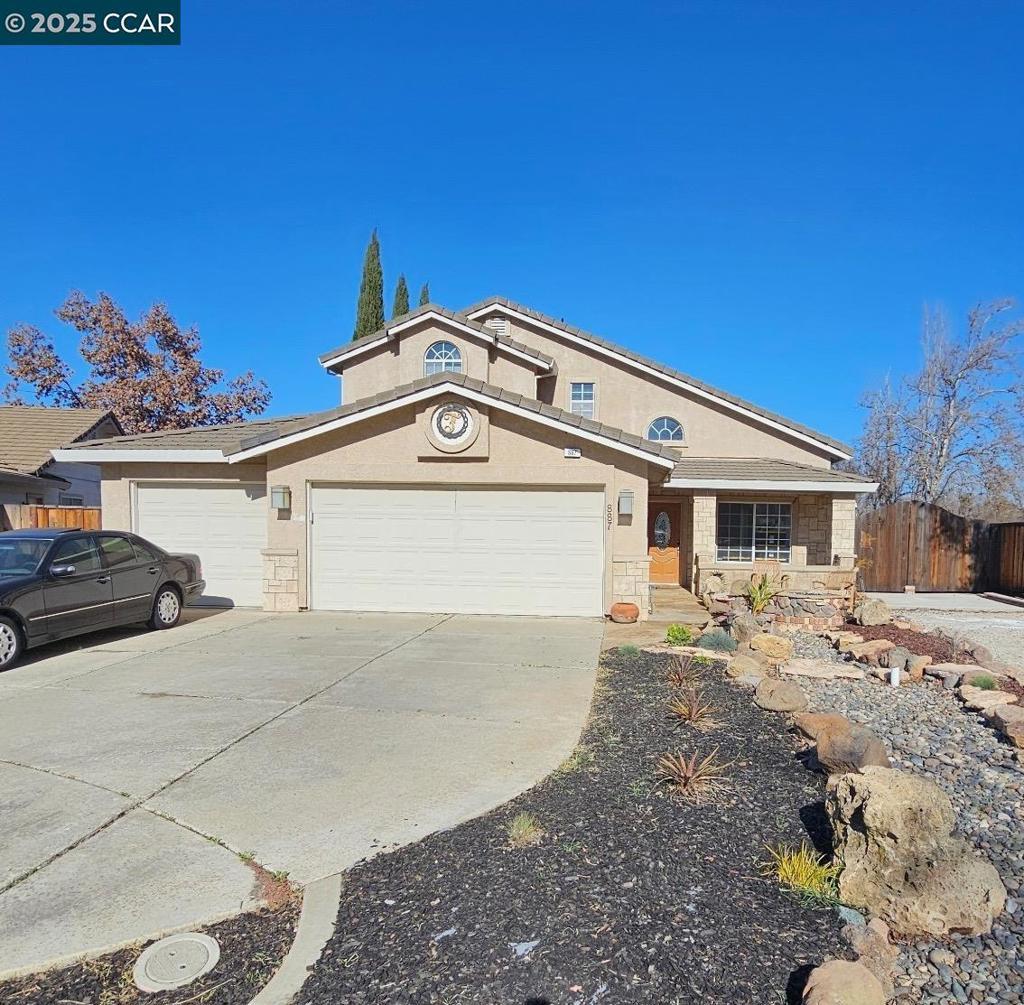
761, 593
695, 779
804, 872
681, 673
691, 708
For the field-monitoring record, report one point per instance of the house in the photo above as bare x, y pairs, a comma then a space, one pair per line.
493, 460
28, 472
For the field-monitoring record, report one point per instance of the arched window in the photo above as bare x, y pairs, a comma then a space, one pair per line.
442, 357
665, 429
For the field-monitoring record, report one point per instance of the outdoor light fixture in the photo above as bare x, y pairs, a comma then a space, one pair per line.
280, 497
626, 502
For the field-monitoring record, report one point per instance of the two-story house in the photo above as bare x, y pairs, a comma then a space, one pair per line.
493, 460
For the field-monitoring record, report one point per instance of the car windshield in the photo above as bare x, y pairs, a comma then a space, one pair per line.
20, 556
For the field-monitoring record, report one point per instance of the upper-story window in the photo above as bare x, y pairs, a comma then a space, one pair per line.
582, 397
665, 429
442, 357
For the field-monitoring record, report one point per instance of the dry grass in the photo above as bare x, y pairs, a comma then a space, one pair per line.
806, 873
691, 708
695, 779
523, 830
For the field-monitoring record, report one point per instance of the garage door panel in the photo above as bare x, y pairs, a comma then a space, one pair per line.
225, 525
473, 551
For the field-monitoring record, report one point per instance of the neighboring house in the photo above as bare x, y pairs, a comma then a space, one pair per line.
493, 461
28, 472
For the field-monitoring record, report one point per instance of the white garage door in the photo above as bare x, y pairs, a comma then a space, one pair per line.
225, 525
465, 551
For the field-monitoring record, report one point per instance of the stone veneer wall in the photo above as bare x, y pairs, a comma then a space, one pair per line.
844, 535
280, 579
812, 528
631, 582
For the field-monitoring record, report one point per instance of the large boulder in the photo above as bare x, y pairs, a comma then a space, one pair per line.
840, 982
871, 652
916, 666
897, 658
775, 647
872, 612
814, 724
980, 699
901, 861
742, 665
779, 696
852, 749
744, 627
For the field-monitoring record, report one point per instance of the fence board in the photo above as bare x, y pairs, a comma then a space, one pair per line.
84, 517
933, 550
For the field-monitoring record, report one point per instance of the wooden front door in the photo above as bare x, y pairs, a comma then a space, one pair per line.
663, 541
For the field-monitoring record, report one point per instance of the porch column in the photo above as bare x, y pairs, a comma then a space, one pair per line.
844, 545
705, 516
280, 579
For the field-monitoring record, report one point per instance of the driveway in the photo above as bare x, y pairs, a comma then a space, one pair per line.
136, 769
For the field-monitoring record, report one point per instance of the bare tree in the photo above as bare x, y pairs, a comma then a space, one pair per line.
953, 434
146, 371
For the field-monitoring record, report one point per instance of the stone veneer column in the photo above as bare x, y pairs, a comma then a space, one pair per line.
280, 579
844, 521
705, 529
631, 582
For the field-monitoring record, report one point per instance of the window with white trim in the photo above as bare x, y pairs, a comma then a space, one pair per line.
665, 429
747, 531
442, 357
582, 398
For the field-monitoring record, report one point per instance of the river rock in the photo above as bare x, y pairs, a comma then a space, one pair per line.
779, 696
775, 647
893, 831
872, 612
840, 982
850, 749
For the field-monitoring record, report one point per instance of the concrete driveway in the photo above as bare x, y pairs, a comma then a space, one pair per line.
136, 769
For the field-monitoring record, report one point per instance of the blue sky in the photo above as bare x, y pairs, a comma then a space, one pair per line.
762, 197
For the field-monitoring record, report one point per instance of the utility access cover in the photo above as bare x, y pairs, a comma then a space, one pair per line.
174, 961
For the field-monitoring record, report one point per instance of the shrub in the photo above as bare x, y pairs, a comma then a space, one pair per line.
679, 635
629, 650
985, 681
718, 639
761, 593
524, 829
806, 873
691, 708
700, 662
695, 779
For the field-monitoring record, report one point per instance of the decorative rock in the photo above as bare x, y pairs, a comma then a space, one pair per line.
822, 669
850, 749
846, 640
941, 669
624, 614
1014, 732
898, 657
975, 674
775, 647
814, 724
839, 982
1002, 716
874, 950
893, 832
742, 665
713, 584
872, 612
779, 696
916, 665
978, 699
744, 627
870, 652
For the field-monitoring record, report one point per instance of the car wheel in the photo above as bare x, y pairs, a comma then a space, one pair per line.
166, 608
11, 643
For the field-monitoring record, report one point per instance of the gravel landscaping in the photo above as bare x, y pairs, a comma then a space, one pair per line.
928, 732
251, 948
626, 893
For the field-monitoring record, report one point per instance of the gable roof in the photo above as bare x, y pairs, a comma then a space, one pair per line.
243, 441
29, 432
435, 312
763, 472
836, 447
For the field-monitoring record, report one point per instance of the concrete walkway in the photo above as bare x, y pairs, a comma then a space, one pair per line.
135, 771
973, 602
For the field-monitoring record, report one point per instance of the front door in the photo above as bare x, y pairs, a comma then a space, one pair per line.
663, 542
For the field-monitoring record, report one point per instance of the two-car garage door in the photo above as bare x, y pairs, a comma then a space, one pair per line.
459, 550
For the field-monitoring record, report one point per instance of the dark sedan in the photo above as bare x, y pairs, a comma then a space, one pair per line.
57, 583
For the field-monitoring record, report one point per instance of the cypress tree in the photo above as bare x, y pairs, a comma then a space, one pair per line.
370, 308
401, 305
424, 294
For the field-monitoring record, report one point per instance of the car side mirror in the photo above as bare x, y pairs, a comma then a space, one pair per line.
62, 571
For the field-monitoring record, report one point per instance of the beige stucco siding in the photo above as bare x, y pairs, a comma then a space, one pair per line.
630, 400
388, 450
400, 361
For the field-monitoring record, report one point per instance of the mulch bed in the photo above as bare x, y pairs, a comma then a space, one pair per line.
251, 949
920, 643
631, 895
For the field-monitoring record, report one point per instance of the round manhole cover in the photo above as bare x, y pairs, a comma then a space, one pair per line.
174, 961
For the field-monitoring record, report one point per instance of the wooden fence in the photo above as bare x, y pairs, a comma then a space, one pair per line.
933, 550
20, 517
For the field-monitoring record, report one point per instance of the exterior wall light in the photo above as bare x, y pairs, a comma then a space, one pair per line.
280, 497
625, 502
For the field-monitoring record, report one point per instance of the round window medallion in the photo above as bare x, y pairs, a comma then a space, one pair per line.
175, 961
452, 423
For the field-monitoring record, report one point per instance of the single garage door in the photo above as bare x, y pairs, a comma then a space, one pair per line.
459, 550
225, 525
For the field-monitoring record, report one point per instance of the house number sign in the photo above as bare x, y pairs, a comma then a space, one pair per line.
573, 452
